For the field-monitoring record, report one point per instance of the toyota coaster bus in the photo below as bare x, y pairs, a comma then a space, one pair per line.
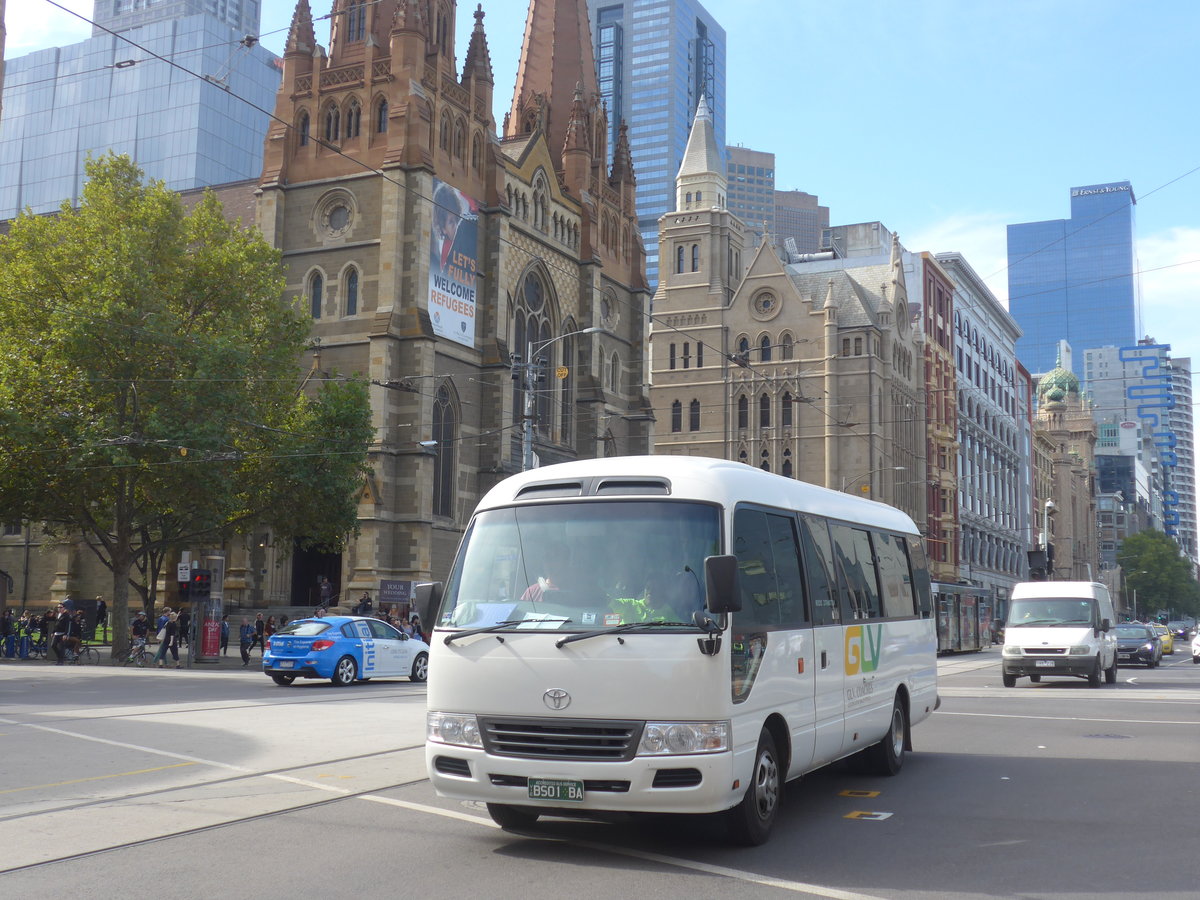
672, 635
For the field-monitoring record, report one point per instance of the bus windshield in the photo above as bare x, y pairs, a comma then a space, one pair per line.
582, 565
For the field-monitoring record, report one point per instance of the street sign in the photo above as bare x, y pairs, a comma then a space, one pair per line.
561, 372
183, 573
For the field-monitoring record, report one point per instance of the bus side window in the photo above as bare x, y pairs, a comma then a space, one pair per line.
921, 585
769, 569
894, 576
818, 566
860, 586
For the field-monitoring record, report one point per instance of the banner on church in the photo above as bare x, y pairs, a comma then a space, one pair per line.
453, 264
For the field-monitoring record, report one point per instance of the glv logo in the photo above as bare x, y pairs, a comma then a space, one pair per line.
864, 644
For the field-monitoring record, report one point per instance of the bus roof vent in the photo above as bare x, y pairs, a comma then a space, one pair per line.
550, 489
633, 486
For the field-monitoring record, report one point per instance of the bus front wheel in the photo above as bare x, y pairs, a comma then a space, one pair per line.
750, 821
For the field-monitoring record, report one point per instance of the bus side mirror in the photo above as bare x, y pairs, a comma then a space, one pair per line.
1105, 624
427, 597
721, 585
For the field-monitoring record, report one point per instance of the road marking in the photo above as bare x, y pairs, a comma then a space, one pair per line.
868, 816
867, 795
796, 887
1070, 718
34, 787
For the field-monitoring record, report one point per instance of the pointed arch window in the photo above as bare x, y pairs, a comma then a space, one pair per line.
671, 357
444, 132
765, 465
694, 416
743, 412
616, 374
353, 118
787, 349
786, 471
764, 411
679, 260
695, 257
352, 292
381, 116
303, 128
764, 348
333, 123
316, 294
785, 411
477, 152
445, 428
699, 354
356, 20
460, 139
676, 417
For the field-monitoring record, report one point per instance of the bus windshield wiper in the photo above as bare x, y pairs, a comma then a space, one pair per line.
619, 629
451, 638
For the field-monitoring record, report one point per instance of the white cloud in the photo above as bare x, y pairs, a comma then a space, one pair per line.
34, 24
980, 237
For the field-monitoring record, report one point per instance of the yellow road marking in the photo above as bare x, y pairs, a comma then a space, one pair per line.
35, 787
866, 794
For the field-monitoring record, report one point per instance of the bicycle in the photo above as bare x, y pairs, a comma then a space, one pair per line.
84, 655
136, 654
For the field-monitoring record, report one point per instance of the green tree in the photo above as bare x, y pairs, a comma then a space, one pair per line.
150, 388
1161, 575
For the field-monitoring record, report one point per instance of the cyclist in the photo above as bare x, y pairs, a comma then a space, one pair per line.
139, 630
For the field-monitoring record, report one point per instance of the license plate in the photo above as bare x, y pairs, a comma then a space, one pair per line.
1126, 656
1044, 663
555, 789
287, 664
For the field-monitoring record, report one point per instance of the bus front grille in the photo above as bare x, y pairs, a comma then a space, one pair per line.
600, 739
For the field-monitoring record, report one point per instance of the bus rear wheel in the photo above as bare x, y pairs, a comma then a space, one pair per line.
512, 817
887, 757
751, 820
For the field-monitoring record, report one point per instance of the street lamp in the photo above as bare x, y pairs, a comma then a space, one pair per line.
847, 484
527, 386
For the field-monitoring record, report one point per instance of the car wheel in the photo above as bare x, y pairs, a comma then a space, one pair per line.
750, 821
1095, 676
1195, 660
512, 816
1036, 679
420, 669
887, 757
345, 672
1110, 674
1009, 680
284, 680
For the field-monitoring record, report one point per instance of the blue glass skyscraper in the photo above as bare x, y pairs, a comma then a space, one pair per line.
1072, 279
655, 59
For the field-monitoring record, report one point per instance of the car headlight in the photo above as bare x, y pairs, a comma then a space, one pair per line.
1012, 650
1149, 645
459, 729
1081, 650
674, 738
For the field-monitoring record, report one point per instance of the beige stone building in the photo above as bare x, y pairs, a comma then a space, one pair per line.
813, 375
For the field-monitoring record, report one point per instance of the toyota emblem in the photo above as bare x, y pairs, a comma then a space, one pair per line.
556, 698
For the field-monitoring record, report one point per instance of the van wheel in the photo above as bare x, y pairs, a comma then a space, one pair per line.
750, 821
1095, 675
887, 757
1009, 680
1110, 675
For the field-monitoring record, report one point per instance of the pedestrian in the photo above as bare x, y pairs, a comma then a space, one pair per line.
169, 642
283, 620
325, 589
102, 617
161, 622
270, 628
246, 639
60, 630
225, 635
415, 626
185, 627
319, 613
260, 628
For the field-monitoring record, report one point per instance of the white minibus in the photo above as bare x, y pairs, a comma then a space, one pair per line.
672, 635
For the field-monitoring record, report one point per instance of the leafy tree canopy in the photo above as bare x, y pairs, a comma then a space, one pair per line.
150, 385
1161, 575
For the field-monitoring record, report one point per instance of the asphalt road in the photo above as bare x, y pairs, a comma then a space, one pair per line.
180, 783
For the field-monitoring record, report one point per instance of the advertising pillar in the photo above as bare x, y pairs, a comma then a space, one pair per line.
208, 608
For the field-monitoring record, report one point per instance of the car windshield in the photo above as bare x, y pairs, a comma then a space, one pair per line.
1133, 631
582, 565
305, 627
1058, 611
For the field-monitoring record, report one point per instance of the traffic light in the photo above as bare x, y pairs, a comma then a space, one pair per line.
200, 586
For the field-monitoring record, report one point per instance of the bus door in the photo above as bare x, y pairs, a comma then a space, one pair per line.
771, 641
828, 643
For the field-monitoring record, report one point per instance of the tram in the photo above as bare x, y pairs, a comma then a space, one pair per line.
964, 616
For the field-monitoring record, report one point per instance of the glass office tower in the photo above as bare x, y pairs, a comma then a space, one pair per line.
102, 94
1072, 279
654, 60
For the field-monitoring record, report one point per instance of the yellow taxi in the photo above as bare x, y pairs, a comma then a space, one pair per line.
1168, 639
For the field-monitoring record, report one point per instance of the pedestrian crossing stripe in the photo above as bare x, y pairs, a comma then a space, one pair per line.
867, 795
870, 816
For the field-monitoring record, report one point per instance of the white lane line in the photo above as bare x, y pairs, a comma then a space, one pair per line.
1071, 719
796, 887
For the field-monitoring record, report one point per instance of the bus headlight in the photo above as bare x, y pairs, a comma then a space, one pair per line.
459, 729
1011, 650
674, 738
1081, 650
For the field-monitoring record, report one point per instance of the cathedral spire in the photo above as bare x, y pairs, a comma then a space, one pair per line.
478, 66
301, 38
701, 182
409, 17
622, 167
556, 55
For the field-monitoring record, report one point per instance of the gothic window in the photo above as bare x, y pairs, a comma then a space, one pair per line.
699, 354
744, 348
671, 357
444, 132
679, 260
765, 465
356, 20
764, 348
316, 294
786, 350
333, 121
743, 412
785, 411
764, 411
694, 416
616, 373
460, 139
352, 291
445, 426
566, 386
676, 417
381, 116
786, 471
302, 129
477, 152
687, 354
353, 118
695, 257
531, 331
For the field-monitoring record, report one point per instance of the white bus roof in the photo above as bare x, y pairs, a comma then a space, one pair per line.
691, 478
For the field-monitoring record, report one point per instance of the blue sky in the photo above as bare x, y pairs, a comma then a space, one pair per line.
944, 119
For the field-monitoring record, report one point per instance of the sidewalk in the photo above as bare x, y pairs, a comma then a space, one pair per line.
230, 662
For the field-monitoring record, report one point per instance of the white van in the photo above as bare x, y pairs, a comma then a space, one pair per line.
1060, 628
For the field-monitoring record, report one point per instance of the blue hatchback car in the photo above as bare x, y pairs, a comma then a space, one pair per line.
344, 649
